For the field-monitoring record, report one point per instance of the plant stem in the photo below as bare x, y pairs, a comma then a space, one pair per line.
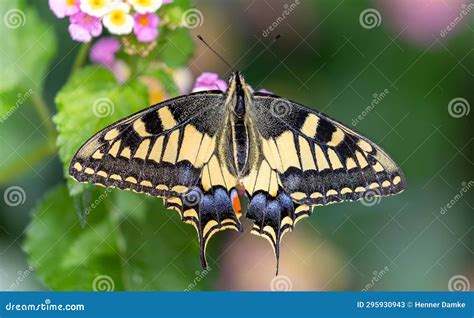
30, 159
42, 109
40, 153
44, 151
80, 58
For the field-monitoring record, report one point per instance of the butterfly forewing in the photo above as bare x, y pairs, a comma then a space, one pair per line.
319, 160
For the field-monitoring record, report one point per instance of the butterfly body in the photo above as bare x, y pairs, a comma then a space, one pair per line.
197, 151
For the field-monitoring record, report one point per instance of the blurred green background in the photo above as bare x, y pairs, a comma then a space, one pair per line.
394, 73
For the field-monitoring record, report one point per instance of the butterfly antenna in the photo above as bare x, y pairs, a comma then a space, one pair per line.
215, 52
272, 42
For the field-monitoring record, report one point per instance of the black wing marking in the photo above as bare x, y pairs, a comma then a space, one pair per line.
168, 151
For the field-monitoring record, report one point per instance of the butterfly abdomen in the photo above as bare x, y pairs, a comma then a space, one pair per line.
240, 144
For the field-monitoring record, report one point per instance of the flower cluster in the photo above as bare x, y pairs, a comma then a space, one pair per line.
120, 17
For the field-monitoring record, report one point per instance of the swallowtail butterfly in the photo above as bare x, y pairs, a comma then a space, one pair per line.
200, 151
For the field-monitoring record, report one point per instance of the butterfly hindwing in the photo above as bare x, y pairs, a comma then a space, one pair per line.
168, 150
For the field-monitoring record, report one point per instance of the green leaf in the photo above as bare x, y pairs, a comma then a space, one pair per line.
175, 47
28, 45
91, 100
162, 252
128, 237
65, 255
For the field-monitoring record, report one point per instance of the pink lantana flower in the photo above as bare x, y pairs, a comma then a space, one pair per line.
146, 27
63, 8
103, 51
209, 81
84, 27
